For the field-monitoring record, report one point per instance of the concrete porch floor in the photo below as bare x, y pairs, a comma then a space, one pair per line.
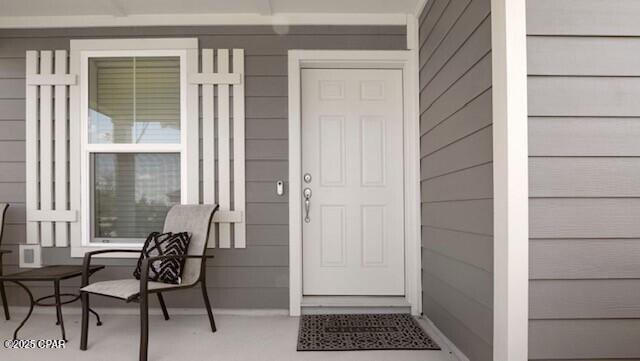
185, 338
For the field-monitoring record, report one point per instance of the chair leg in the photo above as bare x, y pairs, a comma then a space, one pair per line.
208, 306
144, 326
5, 305
84, 297
59, 309
163, 306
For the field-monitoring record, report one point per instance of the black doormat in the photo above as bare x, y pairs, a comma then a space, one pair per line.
362, 332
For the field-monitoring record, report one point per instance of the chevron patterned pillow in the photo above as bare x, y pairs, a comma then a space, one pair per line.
161, 244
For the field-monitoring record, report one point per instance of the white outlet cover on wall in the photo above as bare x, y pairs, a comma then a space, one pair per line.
30, 256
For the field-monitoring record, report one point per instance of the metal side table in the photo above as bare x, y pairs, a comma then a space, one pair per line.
53, 274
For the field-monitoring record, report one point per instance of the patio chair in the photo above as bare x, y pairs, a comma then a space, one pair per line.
194, 219
3, 294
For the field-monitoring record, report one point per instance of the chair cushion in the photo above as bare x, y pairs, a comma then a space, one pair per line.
126, 289
162, 244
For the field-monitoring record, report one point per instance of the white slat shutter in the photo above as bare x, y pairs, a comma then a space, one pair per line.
53, 160
48, 213
217, 184
208, 139
224, 184
60, 150
239, 228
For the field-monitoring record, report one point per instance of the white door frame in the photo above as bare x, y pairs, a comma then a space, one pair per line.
388, 59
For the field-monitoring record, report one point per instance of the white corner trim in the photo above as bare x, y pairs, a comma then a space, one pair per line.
16, 22
413, 220
510, 180
441, 339
389, 59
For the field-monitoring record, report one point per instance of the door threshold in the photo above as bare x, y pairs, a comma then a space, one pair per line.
355, 301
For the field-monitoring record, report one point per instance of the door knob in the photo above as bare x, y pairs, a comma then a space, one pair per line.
307, 204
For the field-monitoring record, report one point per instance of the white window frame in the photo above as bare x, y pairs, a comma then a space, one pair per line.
82, 50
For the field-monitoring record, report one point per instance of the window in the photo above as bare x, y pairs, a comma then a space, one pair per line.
132, 193
133, 121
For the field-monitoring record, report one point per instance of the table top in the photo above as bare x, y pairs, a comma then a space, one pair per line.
49, 273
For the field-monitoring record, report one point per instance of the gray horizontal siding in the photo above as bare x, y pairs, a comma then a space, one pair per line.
583, 17
584, 123
474, 20
255, 277
472, 216
469, 248
585, 339
470, 183
583, 96
478, 317
602, 217
458, 126
470, 85
473, 150
583, 56
584, 136
456, 172
471, 282
586, 299
584, 177
584, 258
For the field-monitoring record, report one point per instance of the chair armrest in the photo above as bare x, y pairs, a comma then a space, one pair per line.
144, 269
86, 262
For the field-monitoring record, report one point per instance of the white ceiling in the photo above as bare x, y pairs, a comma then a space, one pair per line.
124, 8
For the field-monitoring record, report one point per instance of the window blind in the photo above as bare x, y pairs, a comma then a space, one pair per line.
134, 100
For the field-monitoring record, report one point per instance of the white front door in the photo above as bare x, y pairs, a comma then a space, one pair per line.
352, 152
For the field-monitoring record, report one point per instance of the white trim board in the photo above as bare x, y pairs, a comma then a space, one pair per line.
157, 311
442, 340
389, 59
413, 220
510, 180
74, 21
355, 301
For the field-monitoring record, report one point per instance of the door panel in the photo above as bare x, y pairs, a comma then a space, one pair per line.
332, 150
373, 151
352, 146
333, 235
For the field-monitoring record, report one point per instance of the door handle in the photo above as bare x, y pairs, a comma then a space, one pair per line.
307, 204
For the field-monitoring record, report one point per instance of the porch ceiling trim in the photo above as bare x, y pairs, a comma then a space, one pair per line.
74, 21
